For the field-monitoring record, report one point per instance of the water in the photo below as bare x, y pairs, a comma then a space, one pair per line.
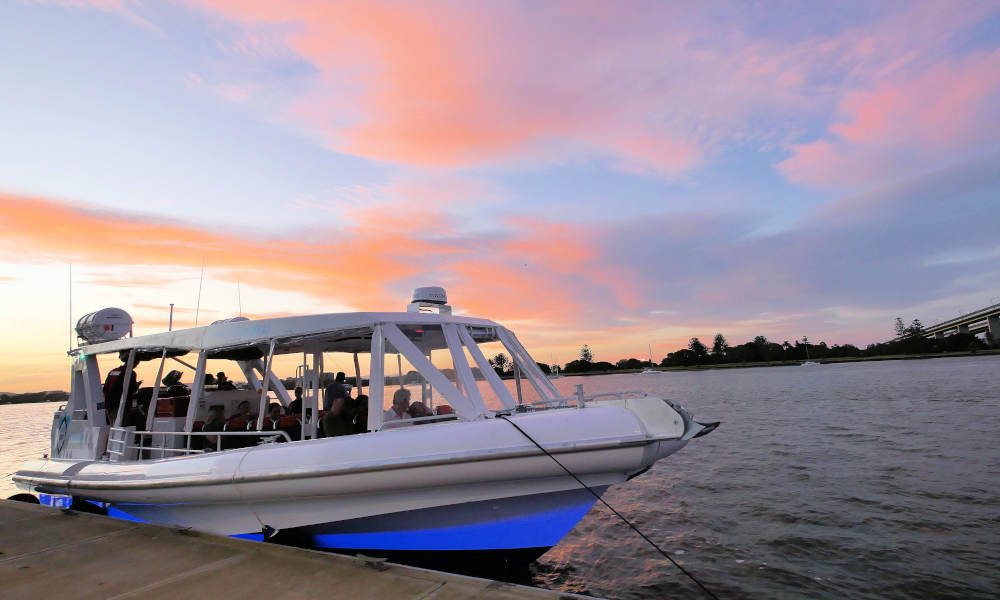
863, 480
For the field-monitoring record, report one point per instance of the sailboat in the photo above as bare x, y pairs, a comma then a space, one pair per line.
650, 370
808, 363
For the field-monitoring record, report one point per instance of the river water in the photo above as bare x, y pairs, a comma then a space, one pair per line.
859, 480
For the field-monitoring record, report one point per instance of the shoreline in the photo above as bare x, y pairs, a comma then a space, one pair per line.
789, 363
60, 396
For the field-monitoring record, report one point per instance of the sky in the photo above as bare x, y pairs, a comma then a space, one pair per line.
618, 174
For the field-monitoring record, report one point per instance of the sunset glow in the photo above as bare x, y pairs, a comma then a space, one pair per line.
611, 174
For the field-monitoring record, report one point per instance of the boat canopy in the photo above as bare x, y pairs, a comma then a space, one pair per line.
249, 340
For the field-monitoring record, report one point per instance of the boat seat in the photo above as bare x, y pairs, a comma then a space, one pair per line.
165, 407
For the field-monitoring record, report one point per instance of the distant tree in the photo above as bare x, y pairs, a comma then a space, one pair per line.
545, 368
900, 328
585, 354
630, 363
719, 346
916, 328
500, 363
760, 341
697, 348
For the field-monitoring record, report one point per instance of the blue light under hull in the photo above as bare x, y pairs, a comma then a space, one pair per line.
537, 521
543, 529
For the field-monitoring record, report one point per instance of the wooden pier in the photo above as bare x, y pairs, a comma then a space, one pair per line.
52, 553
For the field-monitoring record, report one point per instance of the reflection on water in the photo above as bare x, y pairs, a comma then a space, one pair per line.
864, 480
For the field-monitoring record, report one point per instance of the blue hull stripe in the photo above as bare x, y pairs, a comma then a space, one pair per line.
537, 530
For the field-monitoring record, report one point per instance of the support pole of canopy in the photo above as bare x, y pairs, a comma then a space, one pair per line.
197, 390
376, 380
266, 383
466, 409
126, 387
538, 380
92, 391
357, 376
151, 410
499, 389
399, 368
462, 370
517, 384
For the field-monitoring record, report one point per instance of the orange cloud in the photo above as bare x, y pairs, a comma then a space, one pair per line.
533, 270
461, 85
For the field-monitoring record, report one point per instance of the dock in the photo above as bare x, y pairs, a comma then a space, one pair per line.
59, 553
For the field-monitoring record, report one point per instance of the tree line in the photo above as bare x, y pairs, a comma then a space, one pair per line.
910, 339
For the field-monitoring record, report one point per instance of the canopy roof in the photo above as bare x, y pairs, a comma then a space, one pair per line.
334, 332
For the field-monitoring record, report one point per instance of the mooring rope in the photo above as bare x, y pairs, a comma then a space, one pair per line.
612, 509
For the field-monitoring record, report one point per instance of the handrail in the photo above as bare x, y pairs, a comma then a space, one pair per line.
269, 435
566, 399
411, 420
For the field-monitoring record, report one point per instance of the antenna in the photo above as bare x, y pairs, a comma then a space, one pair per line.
197, 309
71, 306
170, 326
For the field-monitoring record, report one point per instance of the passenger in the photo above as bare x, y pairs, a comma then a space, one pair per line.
361, 415
273, 418
209, 379
337, 421
223, 383
419, 409
295, 406
400, 404
243, 412
216, 422
335, 390
113, 389
172, 381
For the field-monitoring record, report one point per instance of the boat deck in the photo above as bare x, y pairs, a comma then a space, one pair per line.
48, 552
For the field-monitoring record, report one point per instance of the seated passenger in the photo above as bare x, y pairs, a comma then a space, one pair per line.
216, 422
337, 421
295, 407
273, 418
400, 404
361, 415
419, 409
222, 382
243, 413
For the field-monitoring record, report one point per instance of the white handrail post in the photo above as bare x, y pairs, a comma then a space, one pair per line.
357, 376
126, 386
265, 384
197, 390
376, 380
151, 412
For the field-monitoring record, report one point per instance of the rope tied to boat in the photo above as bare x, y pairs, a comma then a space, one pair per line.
662, 552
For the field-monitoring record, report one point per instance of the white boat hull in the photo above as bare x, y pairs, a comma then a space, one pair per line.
452, 486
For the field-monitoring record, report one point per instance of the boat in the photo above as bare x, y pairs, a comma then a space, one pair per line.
808, 363
471, 480
650, 370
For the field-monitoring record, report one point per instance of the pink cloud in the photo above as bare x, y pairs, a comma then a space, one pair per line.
905, 124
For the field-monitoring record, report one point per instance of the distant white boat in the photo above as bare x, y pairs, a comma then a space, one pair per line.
808, 363
650, 370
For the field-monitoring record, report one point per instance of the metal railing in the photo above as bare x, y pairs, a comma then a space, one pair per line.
581, 399
119, 438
